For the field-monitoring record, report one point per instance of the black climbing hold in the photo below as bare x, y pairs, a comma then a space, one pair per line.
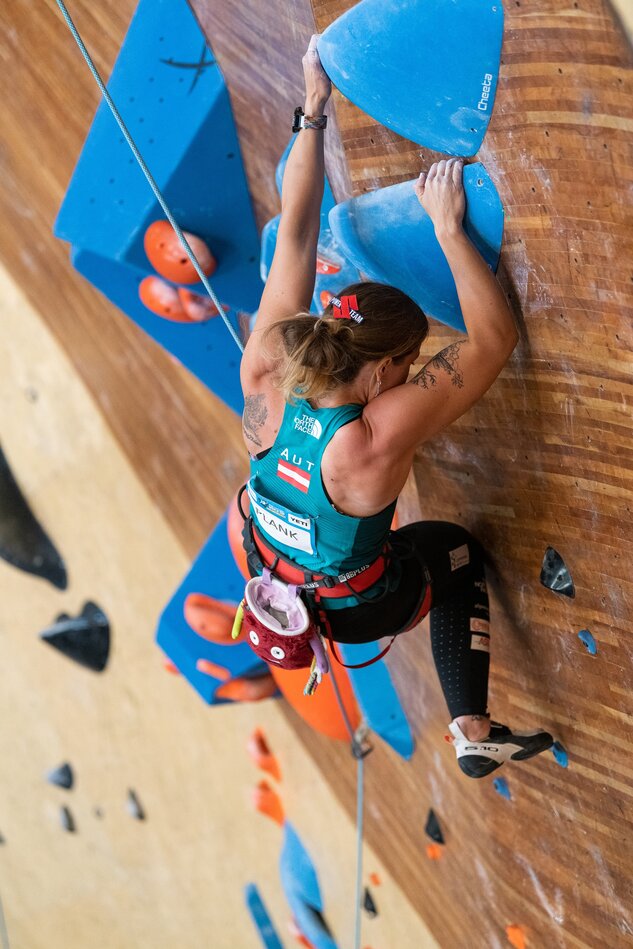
433, 829
63, 776
368, 904
67, 820
23, 542
134, 806
2, 840
318, 920
555, 575
98, 813
85, 640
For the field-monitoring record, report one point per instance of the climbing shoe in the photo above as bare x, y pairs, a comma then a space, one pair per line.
479, 758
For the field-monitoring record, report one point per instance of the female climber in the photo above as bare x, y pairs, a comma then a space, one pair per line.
332, 423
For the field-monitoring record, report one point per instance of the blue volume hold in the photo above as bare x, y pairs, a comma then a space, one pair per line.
261, 919
560, 754
427, 69
501, 787
389, 237
585, 637
377, 697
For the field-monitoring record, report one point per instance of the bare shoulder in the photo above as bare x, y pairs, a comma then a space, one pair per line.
361, 478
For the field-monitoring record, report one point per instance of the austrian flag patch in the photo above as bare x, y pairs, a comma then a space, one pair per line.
293, 475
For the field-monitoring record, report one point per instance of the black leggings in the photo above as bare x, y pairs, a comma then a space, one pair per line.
459, 614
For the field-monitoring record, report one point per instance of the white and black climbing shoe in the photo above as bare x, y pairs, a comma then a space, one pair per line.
479, 758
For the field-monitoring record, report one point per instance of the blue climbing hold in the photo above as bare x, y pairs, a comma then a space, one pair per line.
587, 639
301, 887
260, 917
425, 68
390, 238
560, 753
501, 787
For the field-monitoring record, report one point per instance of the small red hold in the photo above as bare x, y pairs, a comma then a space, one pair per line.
325, 266
260, 753
213, 669
170, 667
434, 851
248, 689
268, 802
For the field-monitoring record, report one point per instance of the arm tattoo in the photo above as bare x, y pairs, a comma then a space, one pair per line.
446, 361
255, 415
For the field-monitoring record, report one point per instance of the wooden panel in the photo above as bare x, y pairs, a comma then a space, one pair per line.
545, 458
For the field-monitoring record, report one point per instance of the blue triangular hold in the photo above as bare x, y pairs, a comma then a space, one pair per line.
427, 69
390, 238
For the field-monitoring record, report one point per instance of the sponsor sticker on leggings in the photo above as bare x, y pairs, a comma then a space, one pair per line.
480, 642
459, 557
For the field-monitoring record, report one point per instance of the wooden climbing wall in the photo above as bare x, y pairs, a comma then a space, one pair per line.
544, 459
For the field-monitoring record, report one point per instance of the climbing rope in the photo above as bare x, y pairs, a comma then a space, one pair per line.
358, 740
159, 197
360, 749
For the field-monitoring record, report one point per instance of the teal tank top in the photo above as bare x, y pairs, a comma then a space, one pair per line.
292, 510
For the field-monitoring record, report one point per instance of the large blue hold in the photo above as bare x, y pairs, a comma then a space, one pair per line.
390, 238
301, 887
173, 99
427, 69
377, 697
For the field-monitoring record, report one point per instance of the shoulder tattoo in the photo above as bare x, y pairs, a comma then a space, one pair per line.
254, 417
447, 361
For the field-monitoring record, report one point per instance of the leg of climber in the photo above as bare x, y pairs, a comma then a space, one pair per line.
460, 639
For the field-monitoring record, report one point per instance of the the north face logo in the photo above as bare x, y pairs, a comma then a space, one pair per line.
308, 425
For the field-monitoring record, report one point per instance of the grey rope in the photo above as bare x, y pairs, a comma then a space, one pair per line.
148, 174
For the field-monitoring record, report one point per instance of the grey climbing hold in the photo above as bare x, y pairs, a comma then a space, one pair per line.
85, 640
555, 574
62, 776
368, 904
587, 639
23, 541
134, 806
67, 820
433, 829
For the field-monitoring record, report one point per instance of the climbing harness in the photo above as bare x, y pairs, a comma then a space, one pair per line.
159, 197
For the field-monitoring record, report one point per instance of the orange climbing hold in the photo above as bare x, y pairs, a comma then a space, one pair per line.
268, 802
245, 689
212, 619
434, 851
325, 297
320, 710
213, 669
374, 879
162, 299
261, 754
325, 266
198, 307
169, 258
517, 936
170, 667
